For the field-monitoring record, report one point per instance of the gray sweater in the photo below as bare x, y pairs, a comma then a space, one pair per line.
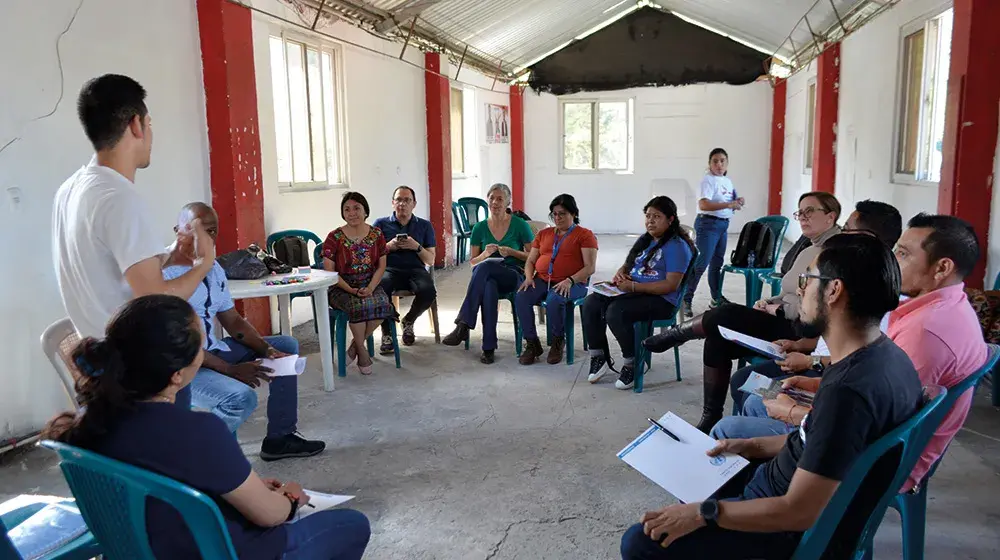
789, 297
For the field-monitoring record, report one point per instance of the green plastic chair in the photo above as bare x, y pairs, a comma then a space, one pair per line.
778, 225
643, 358
905, 444
912, 505
570, 327
473, 206
81, 548
112, 497
306, 236
463, 233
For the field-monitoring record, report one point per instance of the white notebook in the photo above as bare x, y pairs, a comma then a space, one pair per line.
681, 468
764, 347
318, 502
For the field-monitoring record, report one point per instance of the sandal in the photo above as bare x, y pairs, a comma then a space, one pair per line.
365, 370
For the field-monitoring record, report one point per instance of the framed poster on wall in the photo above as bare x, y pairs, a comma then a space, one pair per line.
497, 124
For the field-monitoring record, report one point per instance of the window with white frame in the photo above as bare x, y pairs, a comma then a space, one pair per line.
810, 139
308, 120
597, 135
925, 57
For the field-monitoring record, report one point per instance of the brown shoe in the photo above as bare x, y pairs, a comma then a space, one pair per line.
532, 350
556, 350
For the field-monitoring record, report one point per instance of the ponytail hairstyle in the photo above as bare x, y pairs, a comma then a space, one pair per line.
146, 342
716, 152
568, 203
668, 208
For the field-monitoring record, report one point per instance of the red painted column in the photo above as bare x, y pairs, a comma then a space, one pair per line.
824, 172
233, 137
971, 121
438, 99
777, 168
517, 146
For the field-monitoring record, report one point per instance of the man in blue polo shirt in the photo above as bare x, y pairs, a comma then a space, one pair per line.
232, 369
410, 241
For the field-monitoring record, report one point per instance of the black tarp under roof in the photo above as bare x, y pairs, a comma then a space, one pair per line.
648, 47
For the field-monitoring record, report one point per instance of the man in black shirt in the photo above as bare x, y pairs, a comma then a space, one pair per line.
870, 388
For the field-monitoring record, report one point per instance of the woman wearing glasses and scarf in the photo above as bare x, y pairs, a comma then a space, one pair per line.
769, 319
559, 266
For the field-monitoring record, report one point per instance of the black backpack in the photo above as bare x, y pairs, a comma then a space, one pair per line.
293, 251
756, 239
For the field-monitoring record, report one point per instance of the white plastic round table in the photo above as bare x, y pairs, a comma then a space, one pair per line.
318, 282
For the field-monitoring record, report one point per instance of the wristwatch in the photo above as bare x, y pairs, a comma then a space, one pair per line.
709, 510
818, 363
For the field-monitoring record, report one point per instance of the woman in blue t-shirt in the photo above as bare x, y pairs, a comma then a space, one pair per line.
651, 280
152, 350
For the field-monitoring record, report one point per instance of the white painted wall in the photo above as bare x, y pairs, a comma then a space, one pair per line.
674, 131
868, 111
485, 164
166, 59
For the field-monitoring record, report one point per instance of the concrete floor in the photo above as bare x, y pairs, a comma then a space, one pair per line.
455, 460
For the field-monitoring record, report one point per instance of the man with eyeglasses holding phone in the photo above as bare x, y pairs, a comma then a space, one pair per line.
410, 241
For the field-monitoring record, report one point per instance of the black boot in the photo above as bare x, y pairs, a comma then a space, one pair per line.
715, 385
675, 336
457, 336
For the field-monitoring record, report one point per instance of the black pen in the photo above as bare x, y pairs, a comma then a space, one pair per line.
666, 431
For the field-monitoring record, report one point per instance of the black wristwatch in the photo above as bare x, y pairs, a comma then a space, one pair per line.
709, 510
295, 507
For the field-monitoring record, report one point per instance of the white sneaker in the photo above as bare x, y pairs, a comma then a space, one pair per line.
598, 367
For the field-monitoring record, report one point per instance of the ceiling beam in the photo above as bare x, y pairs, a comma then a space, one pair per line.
404, 13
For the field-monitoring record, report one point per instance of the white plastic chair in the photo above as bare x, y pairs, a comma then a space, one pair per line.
58, 342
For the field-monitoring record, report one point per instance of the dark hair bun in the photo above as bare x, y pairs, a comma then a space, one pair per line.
92, 357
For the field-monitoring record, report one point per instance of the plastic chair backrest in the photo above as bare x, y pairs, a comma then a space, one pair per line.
58, 342
472, 207
7, 549
112, 497
778, 225
682, 290
908, 439
461, 218
303, 234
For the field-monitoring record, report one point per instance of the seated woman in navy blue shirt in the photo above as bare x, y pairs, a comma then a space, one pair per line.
152, 350
651, 278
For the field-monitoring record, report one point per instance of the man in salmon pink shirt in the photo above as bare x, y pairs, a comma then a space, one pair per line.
937, 327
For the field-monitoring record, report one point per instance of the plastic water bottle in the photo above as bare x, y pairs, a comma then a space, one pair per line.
751, 258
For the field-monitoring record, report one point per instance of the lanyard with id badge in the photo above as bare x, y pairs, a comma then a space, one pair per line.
557, 242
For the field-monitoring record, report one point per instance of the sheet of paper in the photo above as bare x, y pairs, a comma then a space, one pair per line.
764, 347
767, 388
757, 384
490, 259
321, 502
289, 365
605, 288
681, 468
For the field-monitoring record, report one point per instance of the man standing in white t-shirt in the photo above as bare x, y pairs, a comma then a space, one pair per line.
104, 244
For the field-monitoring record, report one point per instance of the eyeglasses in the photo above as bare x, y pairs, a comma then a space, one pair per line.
404, 200
805, 276
808, 212
559, 214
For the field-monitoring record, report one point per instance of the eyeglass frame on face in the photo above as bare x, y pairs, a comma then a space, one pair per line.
808, 212
805, 277
562, 214
406, 200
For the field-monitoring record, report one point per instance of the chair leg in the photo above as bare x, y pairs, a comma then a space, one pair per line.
583, 330
340, 322
570, 334
435, 326
541, 316
642, 330
371, 345
748, 282
517, 329
315, 322
913, 513
395, 342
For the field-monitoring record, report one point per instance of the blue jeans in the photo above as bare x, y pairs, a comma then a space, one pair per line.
750, 426
334, 534
555, 307
716, 542
489, 280
711, 242
234, 401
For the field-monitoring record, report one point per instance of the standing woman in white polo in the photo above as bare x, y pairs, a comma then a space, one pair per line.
716, 204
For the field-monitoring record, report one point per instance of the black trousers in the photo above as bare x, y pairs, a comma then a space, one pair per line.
719, 352
620, 313
415, 280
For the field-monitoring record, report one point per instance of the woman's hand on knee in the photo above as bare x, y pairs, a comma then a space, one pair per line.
526, 285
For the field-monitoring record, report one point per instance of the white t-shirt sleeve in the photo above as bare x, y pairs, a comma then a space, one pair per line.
707, 189
126, 229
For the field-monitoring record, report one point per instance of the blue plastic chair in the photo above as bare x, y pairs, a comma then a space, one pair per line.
473, 206
909, 439
463, 233
643, 359
338, 322
570, 328
778, 225
306, 236
772, 279
517, 328
912, 505
112, 498
83, 547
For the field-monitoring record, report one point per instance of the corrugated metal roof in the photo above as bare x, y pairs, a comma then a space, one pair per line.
518, 32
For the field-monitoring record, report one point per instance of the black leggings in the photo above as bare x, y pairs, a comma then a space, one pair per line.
621, 313
719, 352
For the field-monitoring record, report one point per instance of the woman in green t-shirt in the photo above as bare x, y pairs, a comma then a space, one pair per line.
500, 246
